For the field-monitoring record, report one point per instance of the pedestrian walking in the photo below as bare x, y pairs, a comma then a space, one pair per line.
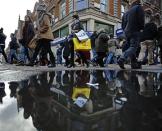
44, 36
101, 46
27, 35
132, 24
13, 45
2, 44
75, 27
147, 41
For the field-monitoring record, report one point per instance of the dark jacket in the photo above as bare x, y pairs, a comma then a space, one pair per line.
159, 36
101, 42
133, 20
2, 38
149, 32
13, 44
28, 33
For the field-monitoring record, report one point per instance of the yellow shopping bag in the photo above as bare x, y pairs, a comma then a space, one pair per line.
81, 91
82, 46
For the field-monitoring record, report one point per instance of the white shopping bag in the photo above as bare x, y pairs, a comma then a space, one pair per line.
80, 101
82, 36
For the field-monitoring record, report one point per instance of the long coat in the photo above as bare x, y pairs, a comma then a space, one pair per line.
44, 30
101, 42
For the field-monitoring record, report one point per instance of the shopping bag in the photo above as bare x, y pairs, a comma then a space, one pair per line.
33, 43
84, 91
82, 46
82, 36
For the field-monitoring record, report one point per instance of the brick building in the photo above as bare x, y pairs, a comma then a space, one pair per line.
152, 8
94, 14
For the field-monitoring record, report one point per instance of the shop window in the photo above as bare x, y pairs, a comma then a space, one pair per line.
103, 5
115, 7
56, 34
64, 31
81, 4
71, 6
108, 28
63, 9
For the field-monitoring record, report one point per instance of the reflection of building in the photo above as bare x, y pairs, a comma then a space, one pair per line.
94, 14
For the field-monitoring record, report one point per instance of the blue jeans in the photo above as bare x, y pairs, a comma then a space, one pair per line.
13, 55
134, 43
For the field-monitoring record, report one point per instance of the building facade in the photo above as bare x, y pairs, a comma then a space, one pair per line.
152, 8
94, 14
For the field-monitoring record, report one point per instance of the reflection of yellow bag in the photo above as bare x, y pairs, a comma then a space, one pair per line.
33, 43
82, 46
80, 91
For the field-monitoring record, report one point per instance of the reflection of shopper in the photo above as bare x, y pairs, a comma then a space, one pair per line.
13, 87
2, 91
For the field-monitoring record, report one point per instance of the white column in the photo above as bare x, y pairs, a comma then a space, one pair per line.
90, 25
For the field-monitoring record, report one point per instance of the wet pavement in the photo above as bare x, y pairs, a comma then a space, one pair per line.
82, 100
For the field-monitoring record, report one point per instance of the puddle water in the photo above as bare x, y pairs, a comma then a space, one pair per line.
93, 100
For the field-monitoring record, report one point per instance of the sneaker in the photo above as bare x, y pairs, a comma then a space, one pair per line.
121, 63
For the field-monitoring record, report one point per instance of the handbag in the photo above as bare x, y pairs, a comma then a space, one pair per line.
82, 36
82, 46
33, 43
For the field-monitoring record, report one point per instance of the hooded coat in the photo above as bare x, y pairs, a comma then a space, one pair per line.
44, 29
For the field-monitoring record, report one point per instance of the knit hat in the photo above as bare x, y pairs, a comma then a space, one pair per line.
75, 15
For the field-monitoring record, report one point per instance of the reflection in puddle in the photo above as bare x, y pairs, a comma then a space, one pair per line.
87, 101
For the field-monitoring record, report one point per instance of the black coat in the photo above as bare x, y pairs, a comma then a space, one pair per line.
159, 36
149, 32
13, 44
2, 39
133, 20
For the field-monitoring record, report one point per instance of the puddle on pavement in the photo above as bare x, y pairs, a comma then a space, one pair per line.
83, 101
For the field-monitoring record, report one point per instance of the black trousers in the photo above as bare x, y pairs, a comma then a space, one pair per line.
44, 45
100, 56
71, 51
3, 53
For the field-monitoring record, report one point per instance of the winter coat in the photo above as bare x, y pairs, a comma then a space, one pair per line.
101, 42
28, 34
133, 20
44, 29
159, 36
13, 44
2, 39
149, 32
